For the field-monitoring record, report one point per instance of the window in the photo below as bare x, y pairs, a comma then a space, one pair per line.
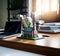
43, 6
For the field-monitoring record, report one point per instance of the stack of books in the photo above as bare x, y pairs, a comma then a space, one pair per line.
51, 28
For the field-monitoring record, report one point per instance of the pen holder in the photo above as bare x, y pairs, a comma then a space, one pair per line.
28, 32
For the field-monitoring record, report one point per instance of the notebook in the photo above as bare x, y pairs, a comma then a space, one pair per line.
11, 28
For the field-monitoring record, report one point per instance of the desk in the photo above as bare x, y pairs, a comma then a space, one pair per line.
47, 46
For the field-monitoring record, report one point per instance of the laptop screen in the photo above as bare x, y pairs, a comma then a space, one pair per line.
13, 27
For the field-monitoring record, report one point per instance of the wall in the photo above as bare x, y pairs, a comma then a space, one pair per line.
3, 13
50, 17
47, 17
59, 6
33, 5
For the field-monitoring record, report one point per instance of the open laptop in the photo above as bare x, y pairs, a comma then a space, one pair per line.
11, 28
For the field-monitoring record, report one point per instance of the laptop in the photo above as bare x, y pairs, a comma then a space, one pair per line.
49, 28
11, 28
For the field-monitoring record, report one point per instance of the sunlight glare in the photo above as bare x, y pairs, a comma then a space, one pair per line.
38, 7
43, 6
54, 5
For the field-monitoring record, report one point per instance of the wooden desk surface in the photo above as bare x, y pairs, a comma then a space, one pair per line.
47, 46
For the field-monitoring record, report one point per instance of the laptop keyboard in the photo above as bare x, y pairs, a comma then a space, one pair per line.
5, 35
